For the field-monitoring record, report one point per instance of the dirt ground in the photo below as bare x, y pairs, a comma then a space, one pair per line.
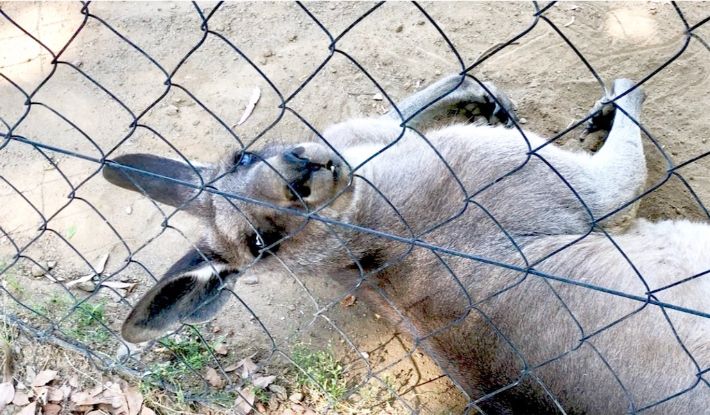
398, 46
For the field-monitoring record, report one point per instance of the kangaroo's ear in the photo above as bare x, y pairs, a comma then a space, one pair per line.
192, 291
129, 171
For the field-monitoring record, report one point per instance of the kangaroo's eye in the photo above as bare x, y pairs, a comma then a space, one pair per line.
244, 158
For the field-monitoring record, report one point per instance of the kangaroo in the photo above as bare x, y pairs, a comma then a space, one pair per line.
486, 243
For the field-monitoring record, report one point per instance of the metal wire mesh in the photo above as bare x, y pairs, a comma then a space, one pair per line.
78, 321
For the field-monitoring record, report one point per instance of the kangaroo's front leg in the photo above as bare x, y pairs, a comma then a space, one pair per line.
455, 92
458, 93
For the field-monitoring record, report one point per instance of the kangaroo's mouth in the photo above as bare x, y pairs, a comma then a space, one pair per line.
300, 187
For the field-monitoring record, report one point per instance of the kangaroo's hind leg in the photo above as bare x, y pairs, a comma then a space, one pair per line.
614, 175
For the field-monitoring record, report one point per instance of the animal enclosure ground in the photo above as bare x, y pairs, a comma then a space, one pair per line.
398, 46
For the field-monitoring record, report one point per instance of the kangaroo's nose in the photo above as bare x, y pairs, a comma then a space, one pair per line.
295, 156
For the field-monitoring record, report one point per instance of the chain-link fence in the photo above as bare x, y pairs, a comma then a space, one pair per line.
77, 254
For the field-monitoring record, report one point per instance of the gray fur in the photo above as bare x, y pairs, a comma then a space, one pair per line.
488, 326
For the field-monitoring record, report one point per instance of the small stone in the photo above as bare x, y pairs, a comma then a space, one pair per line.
122, 352
269, 53
129, 210
523, 121
399, 29
51, 264
37, 271
172, 110
296, 397
293, 38
420, 22
378, 97
196, 123
249, 280
88, 286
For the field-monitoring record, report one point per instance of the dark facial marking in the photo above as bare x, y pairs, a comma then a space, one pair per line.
265, 238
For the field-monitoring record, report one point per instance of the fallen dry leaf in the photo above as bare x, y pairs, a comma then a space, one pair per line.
51, 409
77, 397
279, 391
118, 285
44, 377
221, 348
146, 411
348, 301
66, 390
134, 399
85, 408
232, 367
20, 399
253, 99
79, 280
248, 367
108, 408
29, 409
244, 403
74, 382
87, 399
263, 381
55, 395
214, 378
100, 264
96, 390
7, 393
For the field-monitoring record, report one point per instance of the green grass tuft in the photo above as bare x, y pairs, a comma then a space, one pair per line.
320, 371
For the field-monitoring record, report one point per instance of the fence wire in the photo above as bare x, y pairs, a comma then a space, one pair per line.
78, 320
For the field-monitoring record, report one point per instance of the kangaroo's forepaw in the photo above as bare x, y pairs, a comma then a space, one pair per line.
480, 103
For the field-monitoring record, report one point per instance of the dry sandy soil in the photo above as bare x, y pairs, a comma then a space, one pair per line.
398, 46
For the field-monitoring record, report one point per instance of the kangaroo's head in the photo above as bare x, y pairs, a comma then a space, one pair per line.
275, 190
